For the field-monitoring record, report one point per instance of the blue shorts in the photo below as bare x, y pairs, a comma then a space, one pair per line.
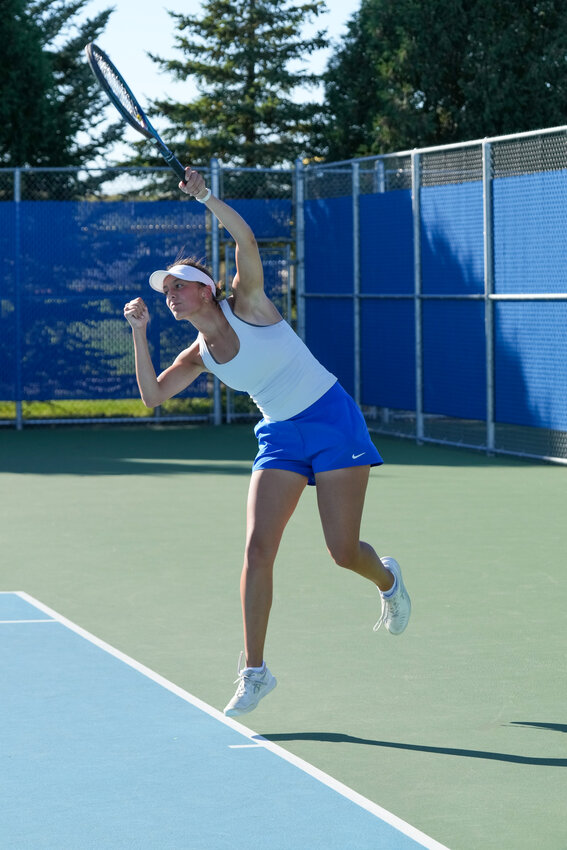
330, 434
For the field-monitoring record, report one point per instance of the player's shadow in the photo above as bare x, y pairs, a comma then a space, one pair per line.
552, 727
341, 738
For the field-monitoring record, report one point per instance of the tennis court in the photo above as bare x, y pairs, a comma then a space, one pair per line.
125, 545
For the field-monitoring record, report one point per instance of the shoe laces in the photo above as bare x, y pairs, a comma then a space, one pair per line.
241, 676
239, 673
389, 606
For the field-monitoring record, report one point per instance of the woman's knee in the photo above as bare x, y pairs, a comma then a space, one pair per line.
260, 553
344, 552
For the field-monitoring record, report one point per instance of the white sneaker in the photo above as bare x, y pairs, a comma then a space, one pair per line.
396, 609
252, 687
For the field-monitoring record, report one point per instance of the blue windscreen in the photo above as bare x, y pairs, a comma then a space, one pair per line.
330, 336
531, 364
530, 249
452, 242
454, 359
77, 264
388, 354
269, 219
328, 245
386, 243
9, 307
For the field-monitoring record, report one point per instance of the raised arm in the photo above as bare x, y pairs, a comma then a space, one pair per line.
249, 279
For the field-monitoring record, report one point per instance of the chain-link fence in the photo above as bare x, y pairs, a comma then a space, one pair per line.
76, 245
433, 283
444, 272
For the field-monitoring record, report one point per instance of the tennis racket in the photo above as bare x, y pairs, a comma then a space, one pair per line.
120, 95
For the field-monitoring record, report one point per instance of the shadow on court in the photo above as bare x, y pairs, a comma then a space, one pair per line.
129, 451
553, 727
339, 738
163, 450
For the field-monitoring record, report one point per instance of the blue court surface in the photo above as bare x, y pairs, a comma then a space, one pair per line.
100, 752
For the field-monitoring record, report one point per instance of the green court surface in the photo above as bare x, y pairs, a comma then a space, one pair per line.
457, 726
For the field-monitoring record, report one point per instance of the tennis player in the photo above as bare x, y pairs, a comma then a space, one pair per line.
312, 432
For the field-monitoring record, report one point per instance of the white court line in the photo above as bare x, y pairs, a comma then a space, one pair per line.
255, 739
50, 620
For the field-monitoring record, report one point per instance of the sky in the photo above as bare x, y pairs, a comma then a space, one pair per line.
136, 27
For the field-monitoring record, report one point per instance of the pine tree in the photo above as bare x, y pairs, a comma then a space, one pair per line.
25, 80
76, 99
410, 74
50, 103
245, 57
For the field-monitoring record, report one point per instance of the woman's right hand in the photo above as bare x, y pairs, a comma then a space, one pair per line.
136, 313
194, 183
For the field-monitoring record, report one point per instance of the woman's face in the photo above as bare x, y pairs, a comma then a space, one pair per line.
183, 297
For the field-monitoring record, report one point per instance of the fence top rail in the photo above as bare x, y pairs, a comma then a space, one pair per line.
98, 168
254, 170
321, 166
138, 168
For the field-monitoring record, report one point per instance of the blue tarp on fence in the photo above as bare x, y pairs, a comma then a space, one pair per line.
66, 270
530, 339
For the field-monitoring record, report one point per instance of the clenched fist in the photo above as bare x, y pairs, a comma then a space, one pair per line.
136, 313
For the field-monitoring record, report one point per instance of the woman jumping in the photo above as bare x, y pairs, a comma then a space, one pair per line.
312, 432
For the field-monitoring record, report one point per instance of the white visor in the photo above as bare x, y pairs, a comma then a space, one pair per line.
184, 272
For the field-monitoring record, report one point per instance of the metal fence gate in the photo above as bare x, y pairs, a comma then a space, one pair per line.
443, 273
75, 246
432, 282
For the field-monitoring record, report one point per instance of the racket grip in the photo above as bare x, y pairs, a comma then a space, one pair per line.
173, 163
176, 166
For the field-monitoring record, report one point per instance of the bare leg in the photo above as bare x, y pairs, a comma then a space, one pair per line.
272, 499
340, 497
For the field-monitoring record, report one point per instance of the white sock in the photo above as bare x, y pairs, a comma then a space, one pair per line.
392, 590
257, 669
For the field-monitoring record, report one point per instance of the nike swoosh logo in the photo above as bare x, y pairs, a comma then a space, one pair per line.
354, 457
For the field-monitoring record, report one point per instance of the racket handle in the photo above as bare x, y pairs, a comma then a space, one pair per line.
174, 164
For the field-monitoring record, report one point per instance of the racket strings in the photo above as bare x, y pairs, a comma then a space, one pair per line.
120, 95
120, 91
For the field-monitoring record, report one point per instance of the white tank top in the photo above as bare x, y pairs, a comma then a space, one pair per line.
273, 365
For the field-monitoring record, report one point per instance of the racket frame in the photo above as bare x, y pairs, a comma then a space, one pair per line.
143, 126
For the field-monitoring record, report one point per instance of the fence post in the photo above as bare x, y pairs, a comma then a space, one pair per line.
379, 177
356, 276
488, 290
300, 247
288, 298
18, 295
215, 262
416, 214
